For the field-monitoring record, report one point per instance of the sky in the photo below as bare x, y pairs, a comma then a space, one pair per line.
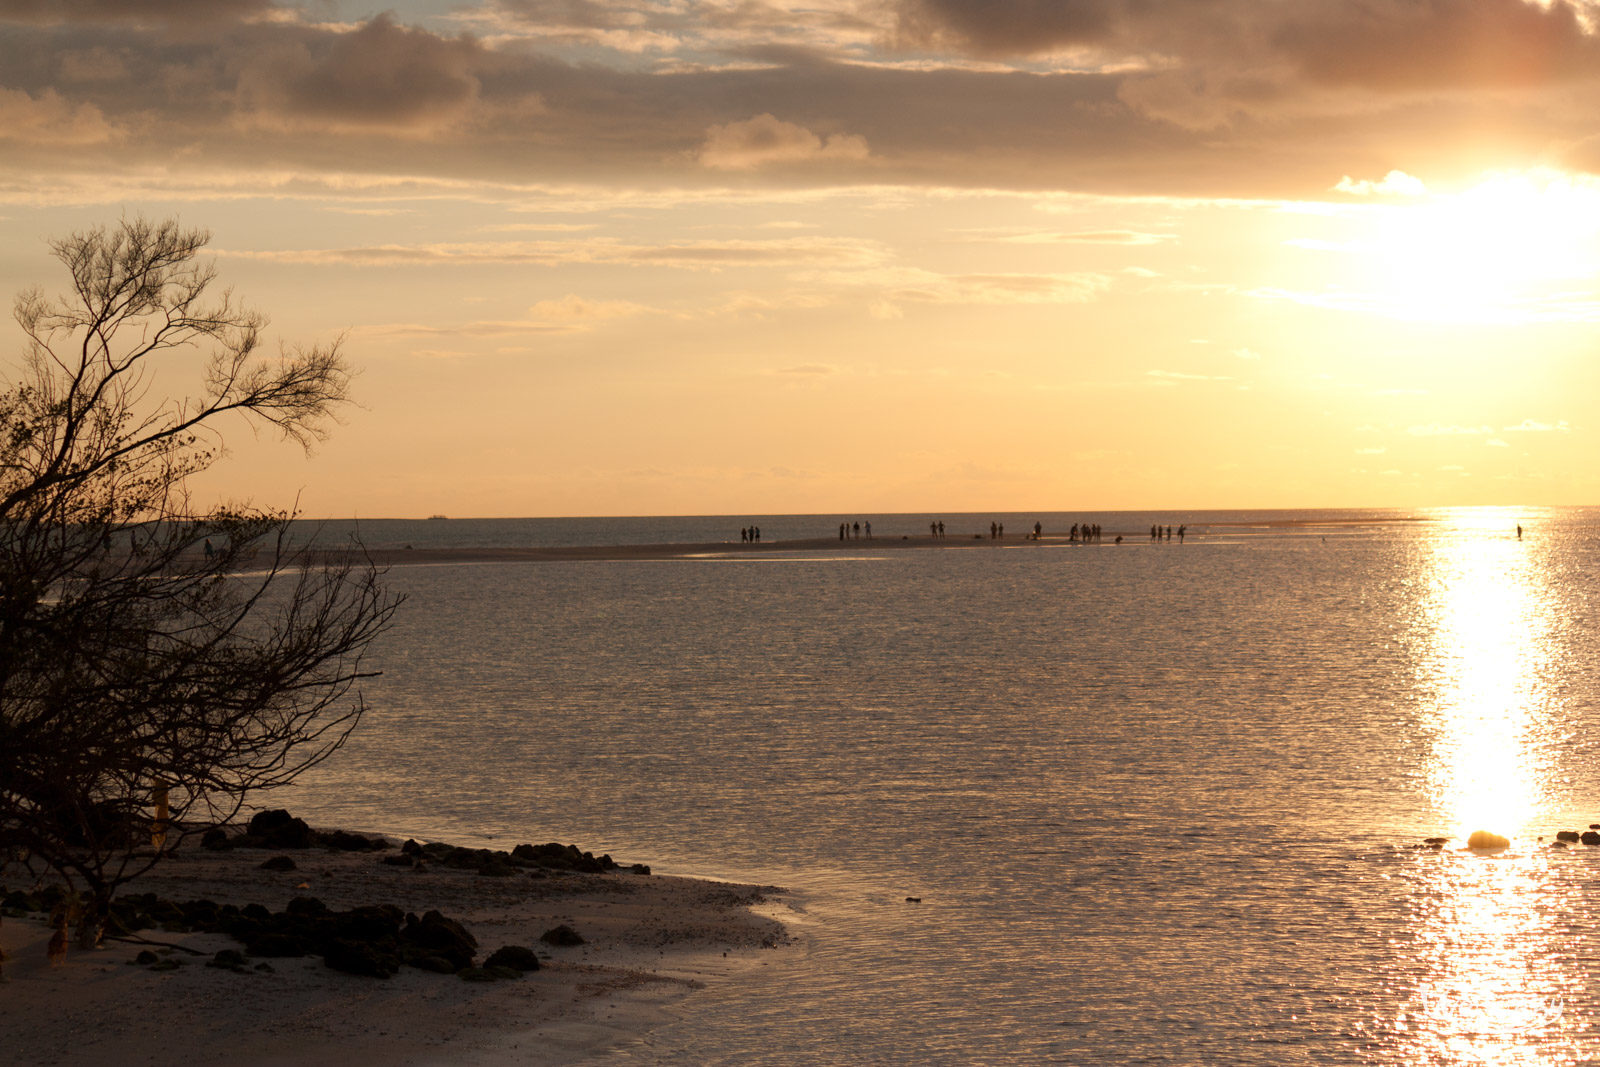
603, 257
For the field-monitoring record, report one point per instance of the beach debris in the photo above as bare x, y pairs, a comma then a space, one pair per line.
913, 900
562, 936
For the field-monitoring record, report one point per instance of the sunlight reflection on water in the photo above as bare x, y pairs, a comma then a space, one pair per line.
1494, 982
1487, 656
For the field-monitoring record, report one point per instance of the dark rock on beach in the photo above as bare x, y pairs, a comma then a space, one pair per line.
1571, 837
517, 957
369, 959
278, 829
347, 842
563, 936
436, 935
556, 856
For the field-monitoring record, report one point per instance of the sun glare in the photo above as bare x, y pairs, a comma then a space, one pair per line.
1485, 667
1513, 248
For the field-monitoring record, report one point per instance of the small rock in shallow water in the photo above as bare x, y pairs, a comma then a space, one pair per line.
1570, 836
1486, 839
1590, 838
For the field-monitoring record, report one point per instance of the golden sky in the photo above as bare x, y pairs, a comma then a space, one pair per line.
745, 257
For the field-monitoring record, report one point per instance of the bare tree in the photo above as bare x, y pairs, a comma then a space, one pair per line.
158, 664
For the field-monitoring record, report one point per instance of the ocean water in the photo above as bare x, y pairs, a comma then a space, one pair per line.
1159, 802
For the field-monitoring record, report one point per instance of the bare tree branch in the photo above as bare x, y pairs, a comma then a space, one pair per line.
143, 645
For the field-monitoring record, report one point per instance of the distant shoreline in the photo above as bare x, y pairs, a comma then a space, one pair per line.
723, 549
719, 549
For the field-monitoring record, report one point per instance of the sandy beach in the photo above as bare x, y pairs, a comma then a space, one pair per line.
650, 940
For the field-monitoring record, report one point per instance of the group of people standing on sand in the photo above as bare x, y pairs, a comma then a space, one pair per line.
936, 530
1157, 531
749, 533
847, 529
1084, 532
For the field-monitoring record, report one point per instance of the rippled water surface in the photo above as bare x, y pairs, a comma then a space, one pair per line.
1158, 800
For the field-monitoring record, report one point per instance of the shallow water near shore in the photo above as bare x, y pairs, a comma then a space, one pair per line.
1155, 801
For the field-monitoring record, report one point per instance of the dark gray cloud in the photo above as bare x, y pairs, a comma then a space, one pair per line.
1375, 44
1009, 27
381, 75
184, 12
1409, 44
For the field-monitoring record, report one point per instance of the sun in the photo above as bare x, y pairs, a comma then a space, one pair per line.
1515, 247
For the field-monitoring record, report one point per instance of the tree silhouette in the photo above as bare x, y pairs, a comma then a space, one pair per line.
158, 664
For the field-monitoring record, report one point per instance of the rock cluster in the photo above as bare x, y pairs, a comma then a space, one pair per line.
1573, 837
277, 829
1487, 840
374, 940
498, 864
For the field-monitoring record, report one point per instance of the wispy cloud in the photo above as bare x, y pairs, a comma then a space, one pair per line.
1437, 430
1395, 183
1172, 377
767, 141
691, 255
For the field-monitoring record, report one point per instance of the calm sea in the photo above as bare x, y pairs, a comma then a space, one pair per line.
1157, 800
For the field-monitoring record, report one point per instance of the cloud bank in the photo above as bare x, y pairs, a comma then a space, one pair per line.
1148, 97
